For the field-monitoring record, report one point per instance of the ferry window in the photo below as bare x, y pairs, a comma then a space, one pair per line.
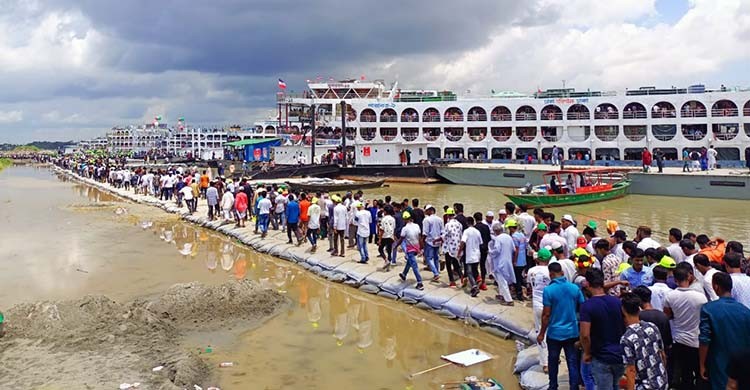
420, 151
728, 154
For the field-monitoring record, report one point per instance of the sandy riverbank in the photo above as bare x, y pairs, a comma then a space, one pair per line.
95, 343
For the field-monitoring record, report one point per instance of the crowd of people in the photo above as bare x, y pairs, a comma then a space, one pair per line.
661, 315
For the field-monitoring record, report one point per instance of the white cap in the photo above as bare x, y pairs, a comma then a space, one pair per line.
568, 217
502, 212
429, 206
556, 245
490, 214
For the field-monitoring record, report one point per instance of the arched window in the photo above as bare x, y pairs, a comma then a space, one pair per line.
409, 133
724, 108
663, 110
634, 111
578, 112
606, 111
477, 114
454, 134
551, 113
367, 133
501, 113
526, 134
431, 134
431, 115
501, 134
368, 115
388, 115
693, 109
526, 113
454, 114
477, 134
409, 115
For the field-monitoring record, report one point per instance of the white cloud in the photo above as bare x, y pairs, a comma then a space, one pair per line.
14, 116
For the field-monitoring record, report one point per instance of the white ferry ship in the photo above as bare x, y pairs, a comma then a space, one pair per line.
385, 124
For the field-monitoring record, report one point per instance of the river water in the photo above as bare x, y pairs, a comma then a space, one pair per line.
62, 240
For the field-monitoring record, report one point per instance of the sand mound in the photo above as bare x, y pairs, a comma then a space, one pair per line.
94, 342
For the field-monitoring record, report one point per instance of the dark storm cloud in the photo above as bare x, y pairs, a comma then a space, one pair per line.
272, 37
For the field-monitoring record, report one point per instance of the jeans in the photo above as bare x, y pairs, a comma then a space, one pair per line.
362, 247
451, 265
432, 256
263, 222
292, 228
571, 357
518, 271
274, 221
606, 375
472, 272
338, 241
411, 262
386, 244
686, 367
352, 235
395, 251
312, 235
587, 377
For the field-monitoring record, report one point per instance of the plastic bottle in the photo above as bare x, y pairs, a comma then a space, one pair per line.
226, 364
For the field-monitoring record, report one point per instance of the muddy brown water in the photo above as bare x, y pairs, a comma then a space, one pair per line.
62, 240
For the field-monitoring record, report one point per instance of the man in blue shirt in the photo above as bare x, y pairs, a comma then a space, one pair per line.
292, 219
559, 321
638, 275
724, 332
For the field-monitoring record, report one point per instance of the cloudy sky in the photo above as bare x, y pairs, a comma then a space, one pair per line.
72, 69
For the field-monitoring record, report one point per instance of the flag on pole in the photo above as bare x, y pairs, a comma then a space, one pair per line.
282, 84
362, 77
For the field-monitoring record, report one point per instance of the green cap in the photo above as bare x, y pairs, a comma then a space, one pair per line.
542, 226
592, 224
544, 254
668, 262
2, 318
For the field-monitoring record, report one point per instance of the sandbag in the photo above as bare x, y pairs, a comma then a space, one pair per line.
368, 288
534, 379
526, 359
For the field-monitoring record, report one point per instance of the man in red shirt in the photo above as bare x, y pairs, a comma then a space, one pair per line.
304, 204
647, 158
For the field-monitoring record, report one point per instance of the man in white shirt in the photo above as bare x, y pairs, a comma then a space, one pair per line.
411, 234
526, 221
279, 209
552, 236
568, 266
387, 235
740, 281
187, 195
643, 237
538, 278
432, 229
313, 224
683, 307
659, 289
362, 219
471, 240
264, 212
703, 266
340, 223
501, 254
569, 231
675, 252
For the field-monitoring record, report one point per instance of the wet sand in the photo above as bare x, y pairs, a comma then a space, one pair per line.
332, 336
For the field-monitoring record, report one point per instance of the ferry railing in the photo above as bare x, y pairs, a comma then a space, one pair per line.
693, 136
606, 137
605, 115
388, 137
721, 112
454, 137
693, 113
577, 116
725, 135
431, 138
431, 118
527, 138
502, 117
634, 114
551, 137
526, 116
409, 118
635, 135
746, 111
552, 116
409, 137
367, 135
501, 138
477, 138
664, 114
454, 118
388, 118
477, 117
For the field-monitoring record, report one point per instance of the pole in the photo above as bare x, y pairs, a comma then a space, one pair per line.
343, 131
312, 135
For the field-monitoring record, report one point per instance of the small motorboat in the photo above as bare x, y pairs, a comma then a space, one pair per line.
333, 186
574, 186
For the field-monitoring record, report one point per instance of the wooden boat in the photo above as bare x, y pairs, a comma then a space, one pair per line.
333, 187
591, 185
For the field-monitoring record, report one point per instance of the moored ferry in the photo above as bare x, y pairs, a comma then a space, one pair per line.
387, 125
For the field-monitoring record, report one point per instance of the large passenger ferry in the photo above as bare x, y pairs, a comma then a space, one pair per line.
384, 124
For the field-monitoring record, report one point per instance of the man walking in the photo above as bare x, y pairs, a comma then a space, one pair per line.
601, 329
410, 234
561, 300
471, 241
264, 213
363, 218
432, 229
340, 223
451, 241
501, 252
313, 224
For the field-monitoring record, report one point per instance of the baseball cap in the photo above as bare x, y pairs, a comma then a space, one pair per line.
490, 214
502, 212
334, 198
406, 215
579, 252
568, 217
358, 204
511, 223
581, 242
280, 190
556, 245
542, 226
622, 268
544, 254
668, 262
450, 211
429, 206
314, 200
592, 224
